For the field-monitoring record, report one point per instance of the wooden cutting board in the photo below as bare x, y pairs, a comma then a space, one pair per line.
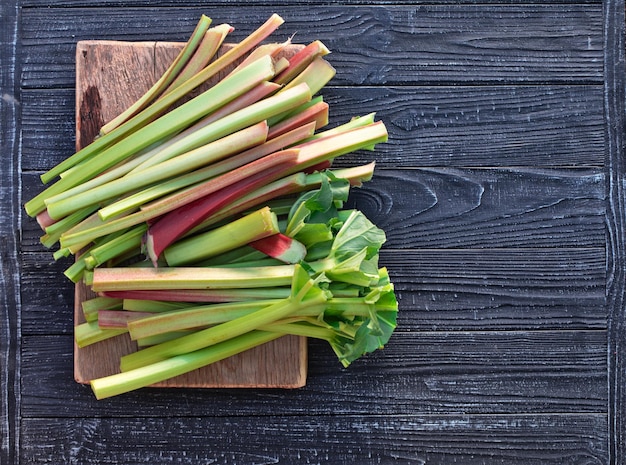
110, 76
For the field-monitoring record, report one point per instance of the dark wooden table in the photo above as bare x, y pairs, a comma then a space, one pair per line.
502, 194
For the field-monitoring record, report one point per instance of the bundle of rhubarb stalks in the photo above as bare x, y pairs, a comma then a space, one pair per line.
208, 219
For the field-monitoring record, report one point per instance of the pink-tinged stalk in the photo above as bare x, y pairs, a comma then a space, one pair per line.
124, 278
254, 113
118, 319
301, 60
200, 295
289, 185
176, 223
186, 162
44, 220
210, 44
317, 113
282, 247
274, 50
152, 193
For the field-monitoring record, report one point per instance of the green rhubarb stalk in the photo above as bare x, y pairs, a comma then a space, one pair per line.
90, 332
194, 317
55, 230
118, 319
306, 294
316, 75
121, 383
166, 125
91, 306
91, 222
208, 47
152, 306
105, 249
117, 279
195, 42
133, 299
211, 152
128, 166
159, 106
251, 227
292, 184
154, 340
129, 240
301, 60
250, 115
133, 201
75, 272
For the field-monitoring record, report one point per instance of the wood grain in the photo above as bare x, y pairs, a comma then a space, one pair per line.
616, 229
438, 289
419, 373
429, 126
110, 76
10, 285
442, 44
507, 123
362, 440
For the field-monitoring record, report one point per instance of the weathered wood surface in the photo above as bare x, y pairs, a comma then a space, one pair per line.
501, 191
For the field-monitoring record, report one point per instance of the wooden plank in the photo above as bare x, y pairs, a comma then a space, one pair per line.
107, 83
418, 373
615, 99
486, 208
372, 45
522, 273
253, 3
10, 284
363, 440
463, 208
446, 289
494, 126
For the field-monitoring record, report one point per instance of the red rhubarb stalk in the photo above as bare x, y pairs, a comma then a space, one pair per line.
176, 223
281, 247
